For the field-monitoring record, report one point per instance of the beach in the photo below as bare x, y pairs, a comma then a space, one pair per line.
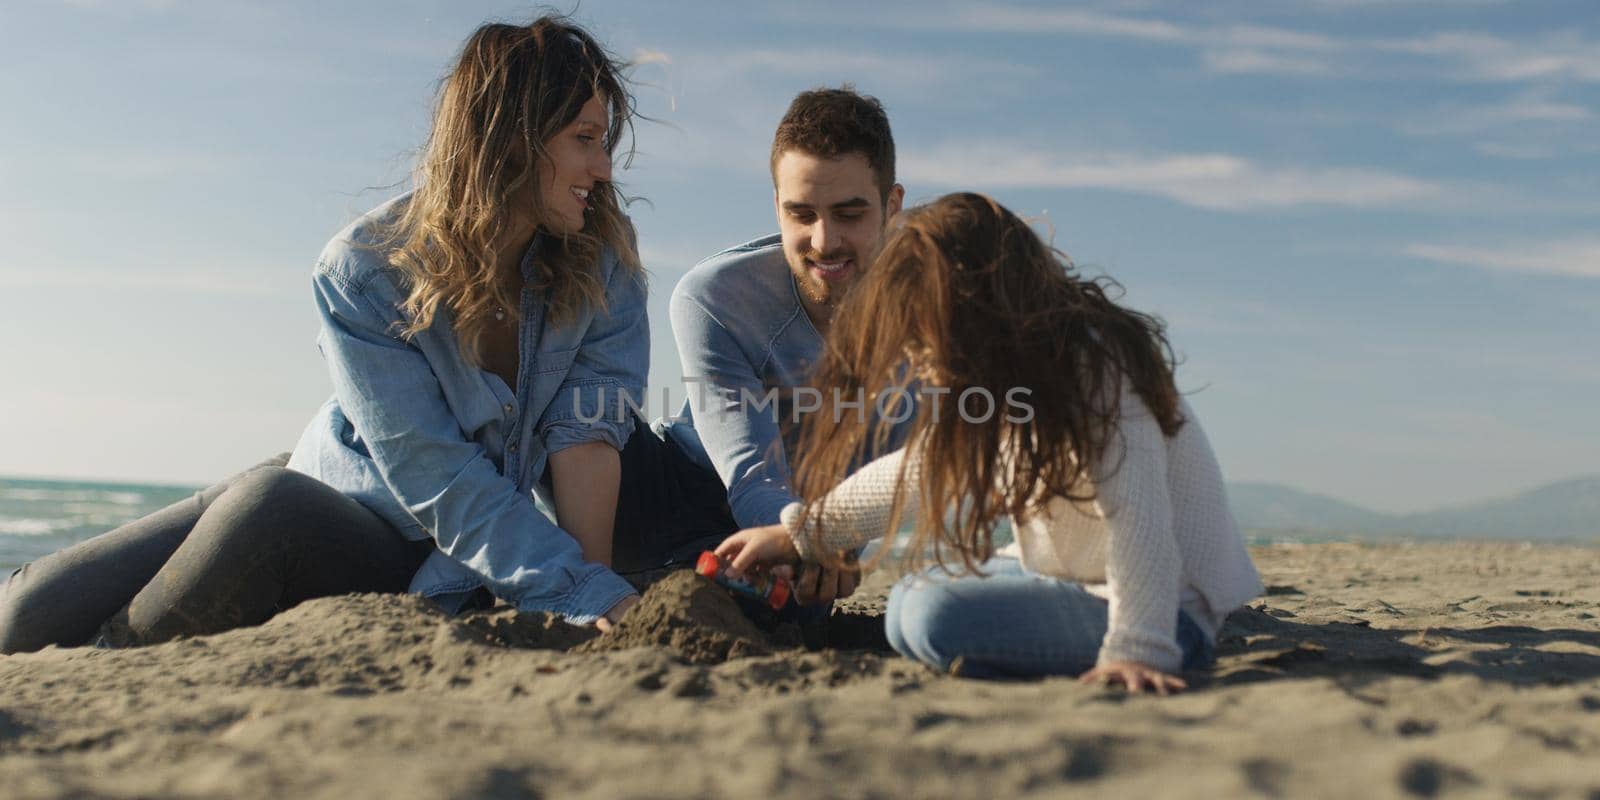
1392, 670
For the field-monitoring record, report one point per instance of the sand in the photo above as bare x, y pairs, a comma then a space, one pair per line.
1452, 670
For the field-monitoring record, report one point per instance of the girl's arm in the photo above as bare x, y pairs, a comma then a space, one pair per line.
855, 511
1143, 564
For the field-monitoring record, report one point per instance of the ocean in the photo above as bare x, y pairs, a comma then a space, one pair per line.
38, 517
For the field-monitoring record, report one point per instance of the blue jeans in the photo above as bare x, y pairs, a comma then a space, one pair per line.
1009, 623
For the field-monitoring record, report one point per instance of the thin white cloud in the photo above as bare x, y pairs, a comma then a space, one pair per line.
1534, 151
134, 278
879, 69
1003, 19
119, 163
1255, 49
1000, 19
1263, 62
1206, 180
739, 94
1368, 5
645, 55
1493, 58
153, 6
1273, 38
1518, 151
1226, 48
1573, 257
1472, 119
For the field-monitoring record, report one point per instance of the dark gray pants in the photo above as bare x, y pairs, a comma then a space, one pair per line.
268, 539
233, 554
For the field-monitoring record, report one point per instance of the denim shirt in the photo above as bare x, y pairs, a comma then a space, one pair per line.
741, 333
442, 448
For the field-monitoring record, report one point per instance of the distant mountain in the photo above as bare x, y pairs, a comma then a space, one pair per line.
1276, 507
1567, 510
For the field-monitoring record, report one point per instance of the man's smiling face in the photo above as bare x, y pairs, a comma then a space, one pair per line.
831, 217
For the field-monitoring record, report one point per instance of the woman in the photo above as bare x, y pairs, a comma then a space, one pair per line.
1061, 415
480, 332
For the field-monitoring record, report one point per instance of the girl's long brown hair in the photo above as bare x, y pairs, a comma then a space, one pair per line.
512, 88
966, 294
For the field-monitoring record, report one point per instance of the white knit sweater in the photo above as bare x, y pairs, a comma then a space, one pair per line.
1159, 533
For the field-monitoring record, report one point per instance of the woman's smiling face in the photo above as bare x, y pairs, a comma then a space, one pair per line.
576, 160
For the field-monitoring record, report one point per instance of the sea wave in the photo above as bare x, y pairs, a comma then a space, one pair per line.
40, 516
29, 494
29, 526
93, 509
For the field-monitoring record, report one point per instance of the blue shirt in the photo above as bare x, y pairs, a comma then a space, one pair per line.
747, 347
442, 448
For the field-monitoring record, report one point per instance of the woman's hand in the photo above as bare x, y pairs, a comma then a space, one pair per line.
1135, 676
610, 619
751, 548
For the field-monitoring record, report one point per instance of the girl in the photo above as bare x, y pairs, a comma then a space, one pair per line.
480, 332
1059, 412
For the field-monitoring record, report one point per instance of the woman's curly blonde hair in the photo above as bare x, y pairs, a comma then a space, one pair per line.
512, 88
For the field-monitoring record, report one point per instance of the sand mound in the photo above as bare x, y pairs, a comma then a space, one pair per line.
507, 627
1468, 670
692, 617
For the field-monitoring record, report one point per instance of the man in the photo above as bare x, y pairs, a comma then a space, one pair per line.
749, 321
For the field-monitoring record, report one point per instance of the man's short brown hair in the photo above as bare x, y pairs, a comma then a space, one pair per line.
828, 123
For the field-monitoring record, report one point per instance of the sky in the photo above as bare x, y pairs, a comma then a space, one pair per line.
1370, 225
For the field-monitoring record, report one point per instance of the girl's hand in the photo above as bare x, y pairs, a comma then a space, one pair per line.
816, 584
1135, 676
758, 547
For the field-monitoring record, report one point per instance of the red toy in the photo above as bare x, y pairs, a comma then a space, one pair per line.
773, 590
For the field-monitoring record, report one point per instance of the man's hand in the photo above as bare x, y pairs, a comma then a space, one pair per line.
1135, 676
610, 619
753, 548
